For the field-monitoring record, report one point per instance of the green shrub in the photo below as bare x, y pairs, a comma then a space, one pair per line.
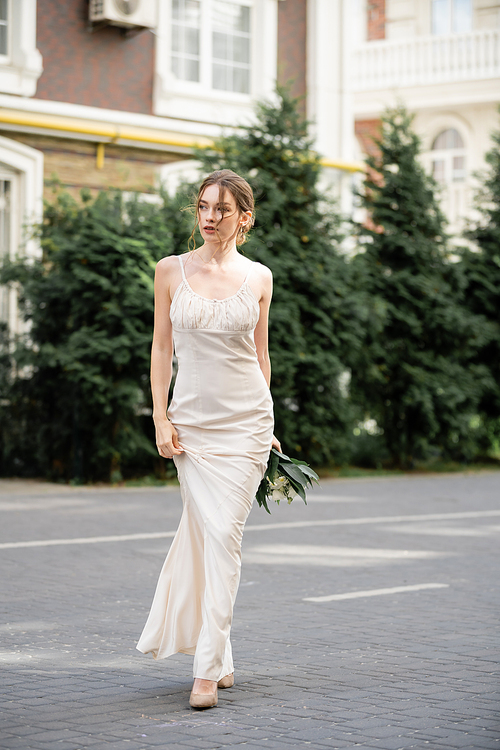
481, 269
77, 388
417, 377
316, 318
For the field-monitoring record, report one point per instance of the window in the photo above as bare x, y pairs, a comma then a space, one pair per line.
448, 165
231, 47
21, 190
448, 161
5, 240
4, 27
211, 43
186, 18
451, 16
20, 61
213, 59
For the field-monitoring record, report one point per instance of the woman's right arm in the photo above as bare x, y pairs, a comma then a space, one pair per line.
161, 360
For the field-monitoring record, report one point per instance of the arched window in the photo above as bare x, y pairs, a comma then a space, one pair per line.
448, 159
449, 168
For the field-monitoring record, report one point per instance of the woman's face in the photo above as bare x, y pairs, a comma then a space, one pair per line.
218, 223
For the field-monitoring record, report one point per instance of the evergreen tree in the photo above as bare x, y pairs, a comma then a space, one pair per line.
315, 321
73, 409
415, 378
482, 272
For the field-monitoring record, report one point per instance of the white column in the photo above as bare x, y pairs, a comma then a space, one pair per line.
265, 28
324, 52
350, 28
331, 26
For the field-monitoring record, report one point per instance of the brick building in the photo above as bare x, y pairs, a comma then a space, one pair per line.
98, 104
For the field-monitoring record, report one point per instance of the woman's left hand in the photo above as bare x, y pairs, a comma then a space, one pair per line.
276, 444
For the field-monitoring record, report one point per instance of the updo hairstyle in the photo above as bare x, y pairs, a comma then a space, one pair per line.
242, 193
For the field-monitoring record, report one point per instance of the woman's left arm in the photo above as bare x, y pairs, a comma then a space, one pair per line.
261, 331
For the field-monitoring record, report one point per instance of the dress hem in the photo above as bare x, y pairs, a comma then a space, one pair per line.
189, 650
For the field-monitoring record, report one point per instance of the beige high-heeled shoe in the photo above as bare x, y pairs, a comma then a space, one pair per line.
226, 682
203, 700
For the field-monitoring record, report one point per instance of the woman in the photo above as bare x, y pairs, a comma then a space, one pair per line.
213, 304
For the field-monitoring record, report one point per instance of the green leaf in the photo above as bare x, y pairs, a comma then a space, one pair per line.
272, 465
261, 495
293, 472
305, 469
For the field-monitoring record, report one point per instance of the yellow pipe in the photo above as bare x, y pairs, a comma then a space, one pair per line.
114, 133
99, 156
55, 123
346, 166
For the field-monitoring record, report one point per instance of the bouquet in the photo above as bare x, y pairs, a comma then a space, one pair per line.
285, 478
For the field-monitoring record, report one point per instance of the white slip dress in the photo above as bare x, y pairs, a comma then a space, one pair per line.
223, 413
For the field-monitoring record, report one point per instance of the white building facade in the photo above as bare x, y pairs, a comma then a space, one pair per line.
101, 105
442, 59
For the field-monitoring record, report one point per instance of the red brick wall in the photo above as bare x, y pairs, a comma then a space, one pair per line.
366, 131
292, 50
376, 19
102, 69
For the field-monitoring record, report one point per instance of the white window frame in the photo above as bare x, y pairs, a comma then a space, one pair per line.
5, 59
7, 298
198, 101
210, 49
450, 19
171, 175
22, 67
455, 196
446, 156
22, 165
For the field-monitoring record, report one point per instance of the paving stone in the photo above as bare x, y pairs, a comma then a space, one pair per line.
412, 670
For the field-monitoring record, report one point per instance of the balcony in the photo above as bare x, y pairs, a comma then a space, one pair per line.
426, 60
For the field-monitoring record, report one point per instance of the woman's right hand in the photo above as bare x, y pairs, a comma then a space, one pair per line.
167, 441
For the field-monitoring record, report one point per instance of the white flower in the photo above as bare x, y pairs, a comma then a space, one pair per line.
281, 489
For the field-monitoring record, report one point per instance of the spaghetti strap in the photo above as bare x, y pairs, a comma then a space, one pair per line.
182, 268
249, 272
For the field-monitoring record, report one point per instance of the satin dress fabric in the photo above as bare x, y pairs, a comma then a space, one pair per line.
223, 413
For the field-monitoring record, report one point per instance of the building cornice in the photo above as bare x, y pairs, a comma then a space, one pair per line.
369, 104
181, 128
110, 127
101, 132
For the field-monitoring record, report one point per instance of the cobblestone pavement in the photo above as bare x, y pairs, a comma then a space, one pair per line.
368, 619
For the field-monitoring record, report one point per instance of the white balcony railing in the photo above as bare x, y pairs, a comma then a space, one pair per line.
426, 60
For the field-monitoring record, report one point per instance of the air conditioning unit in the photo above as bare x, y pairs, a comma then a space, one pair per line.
126, 13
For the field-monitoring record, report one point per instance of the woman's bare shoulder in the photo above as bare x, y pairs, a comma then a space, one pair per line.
166, 264
264, 277
168, 268
262, 280
262, 271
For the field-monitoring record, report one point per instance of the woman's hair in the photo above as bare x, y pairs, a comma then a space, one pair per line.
242, 193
